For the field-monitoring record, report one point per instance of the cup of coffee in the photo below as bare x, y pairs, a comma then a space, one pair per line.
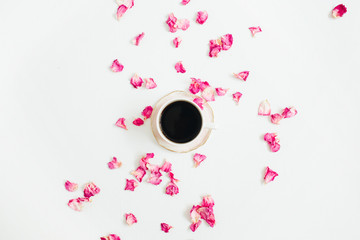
178, 124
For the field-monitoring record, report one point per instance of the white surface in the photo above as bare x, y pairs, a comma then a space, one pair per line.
59, 103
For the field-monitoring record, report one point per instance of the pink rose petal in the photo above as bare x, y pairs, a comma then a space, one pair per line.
150, 84
71, 187
215, 48
165, 227
136, 81
199, 101
289, 112
147, 112
339, 11
172, 178
179, 67
121, 123
195, 86
166, 167
130, 219
77, 203
255, 30
184, 2
204, 85
269, 175
208, 201
145, 160
237, 96
120, 11
208, 94
198, 158
116, 66
171, 22
202, 16
195, 216
264, 108
131, 185
226, 41
177, 41
114, 163
183, 24
139, 173
242, 75
275, 118
194, 226
221, 91
273, 142
207, 214
111, 237
155, 174
172, 189
138, 38
91, 190
138, 122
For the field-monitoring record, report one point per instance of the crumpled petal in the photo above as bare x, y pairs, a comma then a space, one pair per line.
221, 91
289, 112
116, 66
264, 108
111, 237
208, 201
138, 122
269, 175
204, 211
145, 160
171, 22
155, 174
215, 48
273, 142
184, 2
195, 216
179, 67
166, 167
226, 41
183, 24
91, 190
171, 189
275, 118
131, 184
150, 83
121, 123
147, 112
199, 101
194, 87
172, 178
194, 226
120, 11
136, 81
204, 85
207, 214
177, 41
242, 75
139, 173
339, 11
77, 203
208, 94
198, 158
130, 218
70, 186
165, 227
202, 16
255, 30
237, 96
114, 163
138, 38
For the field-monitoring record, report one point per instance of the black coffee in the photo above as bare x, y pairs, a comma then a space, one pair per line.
180, 122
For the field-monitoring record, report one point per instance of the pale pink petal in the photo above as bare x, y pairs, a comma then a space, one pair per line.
274, 147
155, 178
171, 189
339, 11
165, 227
194, 226
270, 137
166, 167
208, 201
215, 48
121, 123
71, 187
204, 85
171, 22
177, 41
150, 84
289, 112
172, 178
184, 2
198, 158
77, 203
195, 216
120, 11
237, 96
139, 173
207, 213
183, 24
91, 190
179, 67
129, 3
226, 41
195, 86
199, 101
136, 81
264, 108
242, 75
153, 167
221, 91
138, 122
114, 163
275, 118
131, 184
255, 30
147, 112
208, 94
130, 219
116, 66
138, 38
202, 16
111, 237
145, 160
273, 142
269, 175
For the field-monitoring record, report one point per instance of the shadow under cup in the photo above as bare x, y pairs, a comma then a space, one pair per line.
180, 122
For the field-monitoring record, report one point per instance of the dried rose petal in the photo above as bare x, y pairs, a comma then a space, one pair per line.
202, 16
145, 160
208, 201
139, 173
91, 190
121, 123
166, 167
237, 96
339, 11
165, 227
195, 216
136, 81
242, 75
269, 175
226, 41
129, 3
215, 48
155, 178
177, 41
130, 219
179, 67
194, 226
111, 237
198, 158
114, 163
273, 142
184, 2
208, 94
195, 86
204, 85
120, 11
199, 101
207, 213
275, 118
147, 112
221, 91
116, 66
264, 108
289, 112
255, 30
138, 38
150, 84
131, 184
138, 122
77, 203
71, 187
171, 22
171, 189
183, 24
172, 178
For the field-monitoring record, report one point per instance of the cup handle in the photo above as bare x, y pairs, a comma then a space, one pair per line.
210, 125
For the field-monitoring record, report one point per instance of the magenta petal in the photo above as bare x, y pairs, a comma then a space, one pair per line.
202, 16
215, 48
172, 189
275, 118
255, 30
221, 91
269, 175
198, 158
111, 237
179, 67
199, 101
130, 218
177, 41
226, 41
207, 214
131, 185
204, 85
237, 96
184, 2
165, 227
208, 201
171, 22
120, 11
194, 87
242, 75
339, 11
166, 167
116, 66
264, 108
91, 190
121, 123
194, 226
77, 203
138, 38
147, 112
136, 81
289, 112
71, 187
114, 163
138, 122
139, 173
273, 142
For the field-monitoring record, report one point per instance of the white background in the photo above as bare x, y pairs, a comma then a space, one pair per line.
59, 102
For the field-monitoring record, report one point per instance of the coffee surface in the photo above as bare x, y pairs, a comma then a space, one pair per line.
180, 122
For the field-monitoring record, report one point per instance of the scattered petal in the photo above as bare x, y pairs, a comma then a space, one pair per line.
116, 66
183, 24
184, 2
145, 160
120, 11
138, 38
194, 226
237, 96
255, 30
77, 203
71, 187
130, 219
208, 201
179, 67
242, 75
202, 16
204, 85
165, 227
139, 173
121, 123
172, 178
111, 237
199, 101
136, 81
166, 167
275, 118
155, 177
204, 211
221, 91
91, 190
195, 86
147, 112
215, 48
131, 185
339, 11
226, 41
289, 112
264, 108
172, 189
150, 84
270, 175
198, 158
138, 122
207, 213
195, 216
171, 22
114, 163
208, 94
273, 142
177, 41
